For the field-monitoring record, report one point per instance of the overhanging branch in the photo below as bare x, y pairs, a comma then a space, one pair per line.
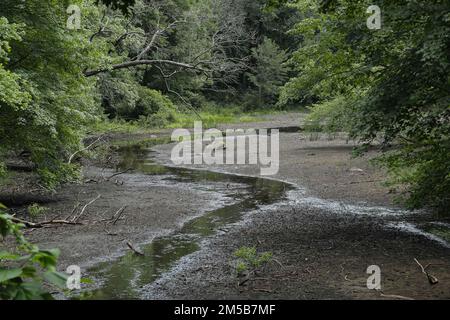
134, 63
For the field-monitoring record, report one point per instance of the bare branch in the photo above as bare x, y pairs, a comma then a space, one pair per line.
43, 224
84, 149
129, 64
76, 218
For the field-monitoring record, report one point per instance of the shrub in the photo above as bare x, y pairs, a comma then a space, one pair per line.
165, 116
330, 116
249, 260
152, 102
35, 210
426, 173
28, 269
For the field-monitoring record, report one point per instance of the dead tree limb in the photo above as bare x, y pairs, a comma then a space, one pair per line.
77, 217
129, 64
43, 224
84, 149
154, 38
431, 279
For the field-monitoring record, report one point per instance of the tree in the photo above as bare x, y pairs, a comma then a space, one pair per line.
55, 79
395, 81
194, 40
269, 72
46, 100
176, 47
122, 5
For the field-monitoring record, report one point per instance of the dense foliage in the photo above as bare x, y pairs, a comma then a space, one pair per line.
28, 268
45, 100
123, 59
394, 81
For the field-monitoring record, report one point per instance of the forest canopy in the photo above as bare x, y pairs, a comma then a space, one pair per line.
389, 85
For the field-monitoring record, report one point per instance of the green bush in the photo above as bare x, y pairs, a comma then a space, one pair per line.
403, 71
45, 101
36, 210
26, 269
157, 111
152, 102
330, 116
124, 99
426, 173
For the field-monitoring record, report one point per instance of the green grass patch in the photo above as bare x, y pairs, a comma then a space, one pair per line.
211, 118
119, 126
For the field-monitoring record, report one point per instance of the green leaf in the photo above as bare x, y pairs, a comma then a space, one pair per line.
57, 278
8, 274
5, 255
30, 291
28, 271
46, 258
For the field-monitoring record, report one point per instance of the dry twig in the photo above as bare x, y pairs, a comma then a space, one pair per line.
431, 279
43, 224
132, 248
118, 214
84, 149
77, 217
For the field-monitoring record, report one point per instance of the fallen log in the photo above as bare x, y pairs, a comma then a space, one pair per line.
43, 224
23, 199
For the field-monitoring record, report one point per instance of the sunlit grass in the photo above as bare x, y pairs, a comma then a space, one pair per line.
119, 126
210, 119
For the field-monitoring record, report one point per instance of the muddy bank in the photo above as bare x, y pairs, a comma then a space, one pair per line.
325, 216
151, 207
319, 254
323, 166
338, 221
118, 206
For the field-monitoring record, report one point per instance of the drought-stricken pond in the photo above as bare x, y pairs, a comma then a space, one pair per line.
124, 277
127, 276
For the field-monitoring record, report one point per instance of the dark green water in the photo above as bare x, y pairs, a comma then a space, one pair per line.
123, 278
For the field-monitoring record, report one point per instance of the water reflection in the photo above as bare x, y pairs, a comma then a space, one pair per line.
122, 279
